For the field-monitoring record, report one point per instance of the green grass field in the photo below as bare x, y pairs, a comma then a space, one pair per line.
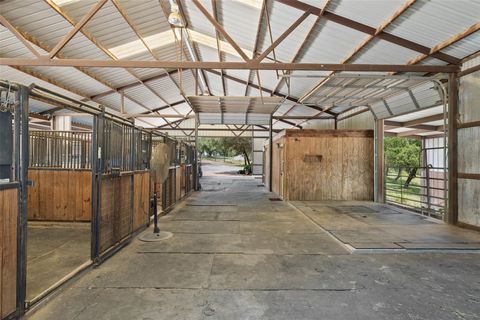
396, 192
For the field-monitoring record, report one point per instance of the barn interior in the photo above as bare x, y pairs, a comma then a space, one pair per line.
103, 104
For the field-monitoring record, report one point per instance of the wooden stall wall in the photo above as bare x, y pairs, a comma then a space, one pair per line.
324, 165
178, 183
277, 174
60, 195
141, 195
116, 210
8, 251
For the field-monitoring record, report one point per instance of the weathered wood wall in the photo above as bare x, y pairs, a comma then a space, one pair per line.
277, 174
60, 195
324, 165
116, 211
178, 183
141, 214
8, 251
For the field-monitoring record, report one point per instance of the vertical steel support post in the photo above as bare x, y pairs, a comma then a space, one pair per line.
196, 164
97, 170
452, 215
21, 174
379, 162
270, 160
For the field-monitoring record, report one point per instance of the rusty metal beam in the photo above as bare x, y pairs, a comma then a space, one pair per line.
18, 35
258, 37
220, 29
76, 28
227, 65
285, 34
370, 30
442, 45
363, 44
219, 52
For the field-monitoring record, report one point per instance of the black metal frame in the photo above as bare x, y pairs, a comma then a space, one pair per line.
19, 181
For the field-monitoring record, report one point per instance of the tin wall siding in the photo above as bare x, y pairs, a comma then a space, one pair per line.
468, 149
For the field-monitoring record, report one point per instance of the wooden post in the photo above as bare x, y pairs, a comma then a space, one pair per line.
379, 183
270, 152
452, 214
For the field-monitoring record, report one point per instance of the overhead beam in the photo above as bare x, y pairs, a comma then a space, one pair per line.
18, 35
394, 124
371, 31
290, 123
306, 43
276, 93
448, 42
260, 34
220, 29
300, 118
362, 45
134, 84
226, 65
213, 129
219, 52
285, 34
423, 120
76, 28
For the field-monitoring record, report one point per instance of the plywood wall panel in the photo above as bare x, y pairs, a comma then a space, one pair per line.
141, 213
8, 250
326, 165
60, 195
178, 183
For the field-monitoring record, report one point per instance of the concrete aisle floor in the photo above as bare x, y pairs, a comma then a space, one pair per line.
237, 255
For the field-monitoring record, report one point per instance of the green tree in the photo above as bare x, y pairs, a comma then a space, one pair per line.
239, 146
403, 154
227, 147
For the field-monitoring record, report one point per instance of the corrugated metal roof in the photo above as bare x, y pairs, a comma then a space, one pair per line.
425, 22
464, 47
384, 52
370, 12
331, 43
431, 22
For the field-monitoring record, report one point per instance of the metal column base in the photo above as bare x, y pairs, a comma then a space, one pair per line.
149, 236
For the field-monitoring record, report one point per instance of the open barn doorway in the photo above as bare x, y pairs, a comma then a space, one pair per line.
416, 162
59, 198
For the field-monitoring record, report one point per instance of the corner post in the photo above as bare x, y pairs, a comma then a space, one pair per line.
270, 152
379, 163
452, 214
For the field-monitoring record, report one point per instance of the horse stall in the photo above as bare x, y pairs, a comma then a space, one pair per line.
122, 184
321, 164
174, 163
59, 207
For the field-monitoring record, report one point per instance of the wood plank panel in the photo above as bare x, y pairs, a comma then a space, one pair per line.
141, 200
8, 237
178, 183
60, 195
330, 166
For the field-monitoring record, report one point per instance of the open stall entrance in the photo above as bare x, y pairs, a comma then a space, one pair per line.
59, 199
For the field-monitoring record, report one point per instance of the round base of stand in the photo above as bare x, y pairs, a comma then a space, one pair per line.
152, 237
